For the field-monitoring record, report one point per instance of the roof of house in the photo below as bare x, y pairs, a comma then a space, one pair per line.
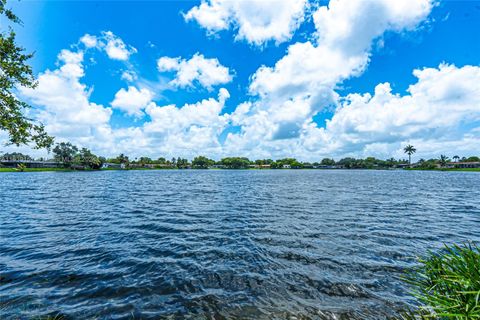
465, 162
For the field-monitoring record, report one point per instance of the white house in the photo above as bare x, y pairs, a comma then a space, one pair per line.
107, 165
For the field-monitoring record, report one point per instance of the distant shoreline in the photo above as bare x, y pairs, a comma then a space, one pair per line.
256, 169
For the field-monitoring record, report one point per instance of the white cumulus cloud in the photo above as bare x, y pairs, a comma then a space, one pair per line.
132, 100
438, 108
198, 69
190, 129
256, 21
129, 75
64, 105
89, 41
303, 82
115, 47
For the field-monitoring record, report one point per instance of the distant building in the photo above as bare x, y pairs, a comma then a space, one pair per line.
30, 164
286, 166
463, 165
323, 166
260, 166
107, 165
217, 166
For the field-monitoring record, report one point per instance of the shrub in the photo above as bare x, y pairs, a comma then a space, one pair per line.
447, 284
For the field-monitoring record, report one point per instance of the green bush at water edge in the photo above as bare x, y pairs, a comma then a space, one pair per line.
447, 284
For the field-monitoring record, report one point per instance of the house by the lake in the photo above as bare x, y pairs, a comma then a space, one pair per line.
259, 166
107, 165
463, 165
217, 166
30, 164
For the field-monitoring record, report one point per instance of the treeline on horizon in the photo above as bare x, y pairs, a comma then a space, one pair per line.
71, 156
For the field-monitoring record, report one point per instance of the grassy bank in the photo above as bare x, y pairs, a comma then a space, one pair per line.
71, 170
446, 169
143, 169
33, 169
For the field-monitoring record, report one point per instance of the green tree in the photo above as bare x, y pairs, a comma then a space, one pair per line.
428, 164
472, 159
296, 165
292, 162
327, 162
235, 162
443, 160
455, 158
390, 162
409, 149
65, 152
15, 156
261, 162
122, 159
202, 162
275, 165
348, 163
145, 160
86, 158
182, 163
15, 72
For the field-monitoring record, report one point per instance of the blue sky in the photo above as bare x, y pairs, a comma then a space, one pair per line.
319, 100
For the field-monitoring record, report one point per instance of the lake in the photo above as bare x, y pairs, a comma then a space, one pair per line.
220, 244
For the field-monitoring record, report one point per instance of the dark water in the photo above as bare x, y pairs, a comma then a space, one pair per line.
223, 244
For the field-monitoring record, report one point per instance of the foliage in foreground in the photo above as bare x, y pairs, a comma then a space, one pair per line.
15, 72
447, 284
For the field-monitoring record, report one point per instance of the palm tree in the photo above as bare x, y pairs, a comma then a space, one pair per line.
456, 158
21, 167
443, 160
409, 149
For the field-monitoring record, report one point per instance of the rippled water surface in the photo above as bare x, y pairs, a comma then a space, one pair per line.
219, 244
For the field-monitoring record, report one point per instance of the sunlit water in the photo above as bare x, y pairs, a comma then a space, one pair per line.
218, 244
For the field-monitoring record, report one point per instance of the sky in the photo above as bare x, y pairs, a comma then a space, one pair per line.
255, 78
